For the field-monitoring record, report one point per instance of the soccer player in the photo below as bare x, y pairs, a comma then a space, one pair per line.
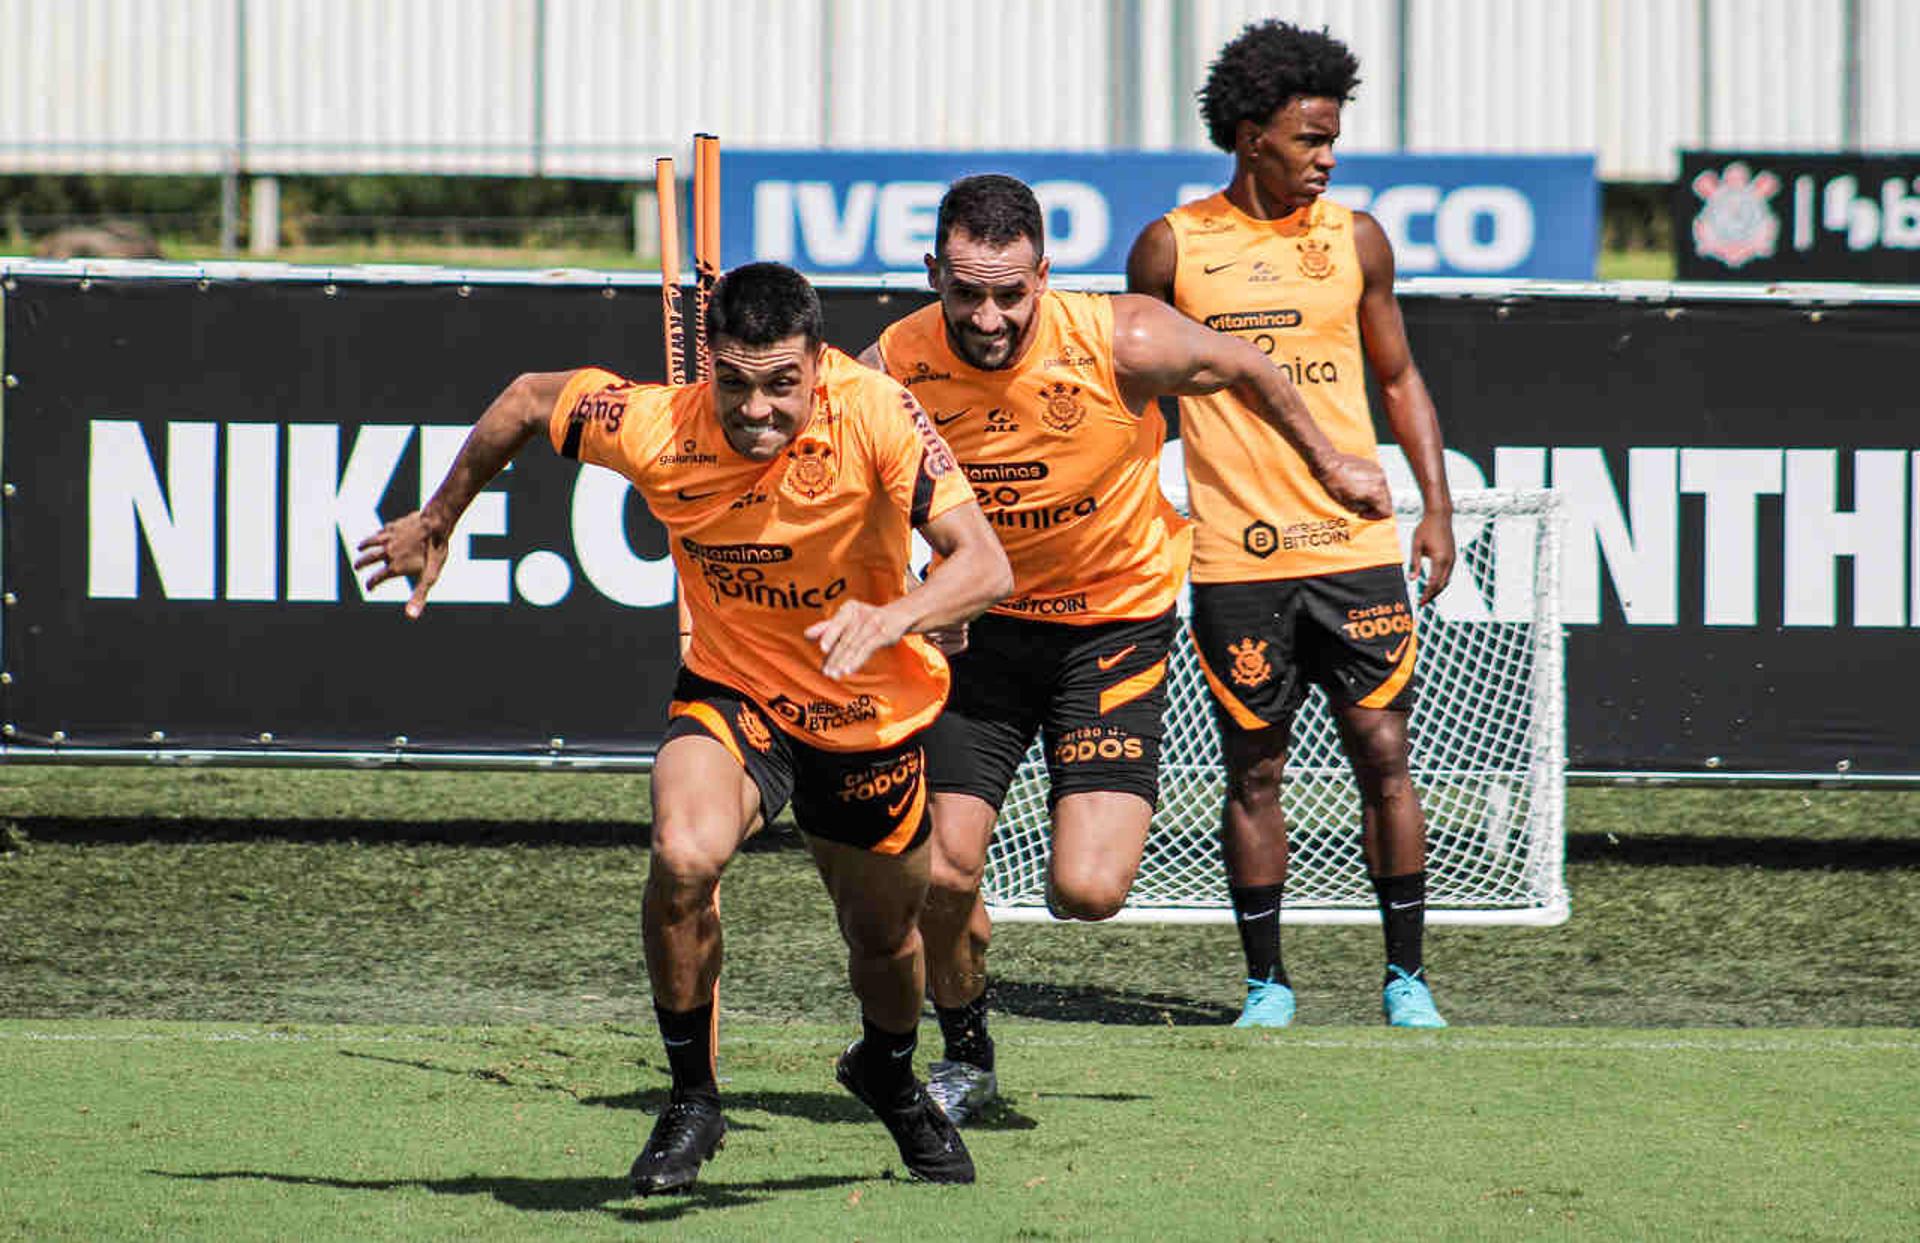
1049, 400
787, 486
1287, 589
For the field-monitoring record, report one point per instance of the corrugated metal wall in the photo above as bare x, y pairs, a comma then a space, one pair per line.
598, 87
116, 85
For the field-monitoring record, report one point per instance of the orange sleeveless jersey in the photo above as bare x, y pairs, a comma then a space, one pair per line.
1067, 475
1292, 287
765, 549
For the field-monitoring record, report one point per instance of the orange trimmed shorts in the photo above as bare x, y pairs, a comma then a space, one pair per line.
1262, 644
870, 800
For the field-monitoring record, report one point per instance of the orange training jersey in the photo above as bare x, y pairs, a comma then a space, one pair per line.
765, 549
1067, 475
1292, 287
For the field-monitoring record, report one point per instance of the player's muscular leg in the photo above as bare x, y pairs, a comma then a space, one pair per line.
704, 806
1253, 823
1097, 839
955, 924
1394, 832
878, 900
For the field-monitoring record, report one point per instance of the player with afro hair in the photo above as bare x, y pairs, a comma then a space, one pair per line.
1269, 63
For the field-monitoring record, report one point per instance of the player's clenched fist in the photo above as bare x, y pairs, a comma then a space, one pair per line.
853, 634
1358, 484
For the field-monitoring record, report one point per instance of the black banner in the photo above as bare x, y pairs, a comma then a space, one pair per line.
1769, 216
188, 461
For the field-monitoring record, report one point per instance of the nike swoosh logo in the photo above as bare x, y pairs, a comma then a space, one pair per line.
894, 810
1247, 919
941, 420
685, 495
676, 1044
1393, 657
1403, 906
1108, 662
1211, 268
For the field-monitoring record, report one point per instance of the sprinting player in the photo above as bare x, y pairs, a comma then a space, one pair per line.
1048, 399
1288, 589
787, 486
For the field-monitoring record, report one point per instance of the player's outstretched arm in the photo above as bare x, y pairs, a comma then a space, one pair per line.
971, 574
1158, 352
414, 546
1410, 409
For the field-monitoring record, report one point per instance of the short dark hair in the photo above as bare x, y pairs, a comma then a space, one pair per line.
761, 303
991, 208
1267, 64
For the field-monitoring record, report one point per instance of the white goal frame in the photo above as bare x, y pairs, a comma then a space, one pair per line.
1488, 734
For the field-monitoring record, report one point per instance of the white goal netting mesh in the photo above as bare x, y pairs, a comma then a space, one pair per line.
1488, 757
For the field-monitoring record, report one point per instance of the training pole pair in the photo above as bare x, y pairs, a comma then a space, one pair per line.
706, 271
706, 256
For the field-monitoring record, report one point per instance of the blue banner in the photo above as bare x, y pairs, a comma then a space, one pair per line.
870, 212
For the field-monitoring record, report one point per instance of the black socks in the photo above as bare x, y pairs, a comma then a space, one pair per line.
1256, 912
965, 1031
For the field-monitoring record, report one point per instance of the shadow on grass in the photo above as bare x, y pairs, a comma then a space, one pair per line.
132, 830
550, 1195
1086, 1004
1786, 854
828, 1106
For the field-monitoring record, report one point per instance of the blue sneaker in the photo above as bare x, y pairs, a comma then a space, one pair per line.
1408, 1002
1269, 1004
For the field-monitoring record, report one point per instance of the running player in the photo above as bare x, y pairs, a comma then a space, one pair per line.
787, 486
1288, 589
1049, 401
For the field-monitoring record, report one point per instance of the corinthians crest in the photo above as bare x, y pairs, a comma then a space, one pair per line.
1736, 224
1063, 411
1250, 664
811, 469
752, 732
1316, 262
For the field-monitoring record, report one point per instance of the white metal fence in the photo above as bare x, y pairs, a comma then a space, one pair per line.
596, 88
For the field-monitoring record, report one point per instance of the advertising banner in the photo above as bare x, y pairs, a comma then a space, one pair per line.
188, 464
1760, 216
871, 212
192, 468
1741, 555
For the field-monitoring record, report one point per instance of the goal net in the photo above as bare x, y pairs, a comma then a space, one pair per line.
1488, 755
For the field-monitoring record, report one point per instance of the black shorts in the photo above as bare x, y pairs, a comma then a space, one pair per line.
1262, 644
871, 800
1095, 695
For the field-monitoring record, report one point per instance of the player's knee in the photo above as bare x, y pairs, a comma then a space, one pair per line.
953, 877
686, 859
1379, 758
1086, 897
881, 940
1257, 784
1256, 767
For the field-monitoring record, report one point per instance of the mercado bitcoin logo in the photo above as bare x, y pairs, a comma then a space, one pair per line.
1260, 538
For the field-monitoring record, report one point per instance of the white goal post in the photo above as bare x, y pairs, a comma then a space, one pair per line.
1489, 760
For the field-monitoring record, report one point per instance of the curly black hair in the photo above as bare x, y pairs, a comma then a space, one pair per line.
1267, 64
